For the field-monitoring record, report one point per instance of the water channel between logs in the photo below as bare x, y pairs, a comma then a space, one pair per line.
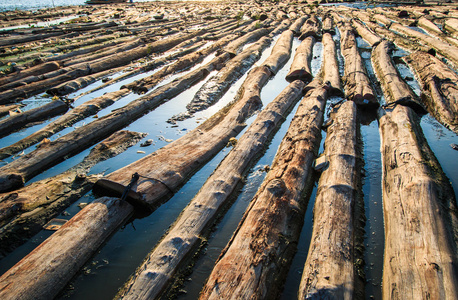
106, 272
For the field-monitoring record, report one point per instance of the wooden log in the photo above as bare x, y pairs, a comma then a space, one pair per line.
234, 47
366, 34
331, 66
21, 120
358, 87
300, 67
429, 26
420, 213
33, 71
278, 29
311, 27
280, 52
80, 112
52, 264
13, 175
451, 25
152, 277
297, 25
25, 211
212, 90
444, 49
333, 268
440, 86
328, 24
255, 262
396, 90
6, 109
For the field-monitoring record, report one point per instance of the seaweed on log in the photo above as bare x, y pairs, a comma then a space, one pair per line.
440, 84
333, 266
25, 211
18, 121
254, 263
155, 273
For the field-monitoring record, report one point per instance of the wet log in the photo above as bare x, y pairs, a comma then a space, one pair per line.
152, 277
6, 109
300, 67
21, 120
13, 175
25, 211
280, 52
366, 34
278, 29
80, 112
396, 90
147, 83
52, 264
358, 87
333, 268
33, 71
451, 25
255, 262
331, 66
235, 46
212, 90
420, 213
328, 25
311, 27
440, 85
429, 26
297, 25
443, 48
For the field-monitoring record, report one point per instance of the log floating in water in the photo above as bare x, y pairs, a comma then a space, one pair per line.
25, 211
254, 263
441, 86
300, 67
333, 268
311, 27
52, 264
420, 213
331, 66
162, 263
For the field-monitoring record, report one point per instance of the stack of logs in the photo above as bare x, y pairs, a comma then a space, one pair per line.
228, 41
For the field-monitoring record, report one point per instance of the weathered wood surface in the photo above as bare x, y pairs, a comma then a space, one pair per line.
440, 84
420, 213
13, 175
328, 24
366, 34
25, 211
396, 90
333, 269
297, 25
254, 263
215, 87
281, 52
152, 277
80, 112
20, 120
358, 87
311, 27
235, 46
300, 67
33, 71
9, 109
46, 270
330, 65
451, 25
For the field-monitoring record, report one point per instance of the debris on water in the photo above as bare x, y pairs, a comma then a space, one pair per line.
104, 80
267, 168
232, 142
146, 143
82, 205
54, 224
168, 140
141, 152
454, 146
96, 116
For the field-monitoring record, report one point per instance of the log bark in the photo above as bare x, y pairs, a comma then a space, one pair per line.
311, 27
280, 52
333, 268
51, 265
25, 211
328, 24
420, 213
212, 90
152, 277
396, 90
40, 113
33, 71
358, 87
255, 262
300, 67
13, 175
440, 85
330, 65
80, 112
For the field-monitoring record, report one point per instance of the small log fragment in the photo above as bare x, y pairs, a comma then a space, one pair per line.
297, 25
212, 90
440, 84
13, 175
80, 112
155, 273
396, 90
25, 211
331, 269
51, 265
311, 27
330, 65
300, 67
420, 213
357, 84
255, 262
18, 121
